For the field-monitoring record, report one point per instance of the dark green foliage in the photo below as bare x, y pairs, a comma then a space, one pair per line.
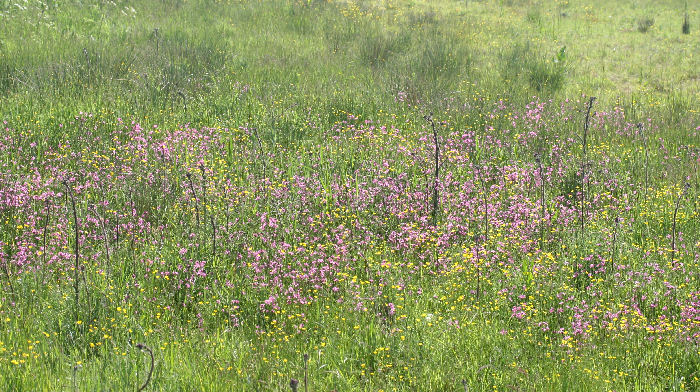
545, 77
644, 24
542, 75
378, 45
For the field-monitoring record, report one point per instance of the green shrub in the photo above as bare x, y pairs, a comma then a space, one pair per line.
441, 57
534, 16
644, 24
378, 45
540, 74
545, 76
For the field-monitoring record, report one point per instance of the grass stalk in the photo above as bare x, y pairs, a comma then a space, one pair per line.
478, 267
484, 191
584, 163
194, 195
640, 127
538, 160
47, 218
74, 377
262, 151
6, 269
204, 193
103, 225
213, 237
76, 267
614, 243
436, 161
143, 347
184, 99
306, 372
675, 215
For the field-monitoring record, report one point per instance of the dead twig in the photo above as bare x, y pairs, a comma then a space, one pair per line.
143, 347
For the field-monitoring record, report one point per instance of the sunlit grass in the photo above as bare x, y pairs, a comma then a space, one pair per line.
253, 183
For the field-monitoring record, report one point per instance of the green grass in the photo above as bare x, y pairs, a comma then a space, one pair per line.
141, 59
274, 80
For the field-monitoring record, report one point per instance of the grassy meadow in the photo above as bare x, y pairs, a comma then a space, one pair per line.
379, 195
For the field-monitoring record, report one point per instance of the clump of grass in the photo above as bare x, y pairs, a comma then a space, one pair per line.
423, 18
534, 16
644, 24
512, 62
522, 63
545, 77
6, 77
686, 25
379, 45
440, 58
